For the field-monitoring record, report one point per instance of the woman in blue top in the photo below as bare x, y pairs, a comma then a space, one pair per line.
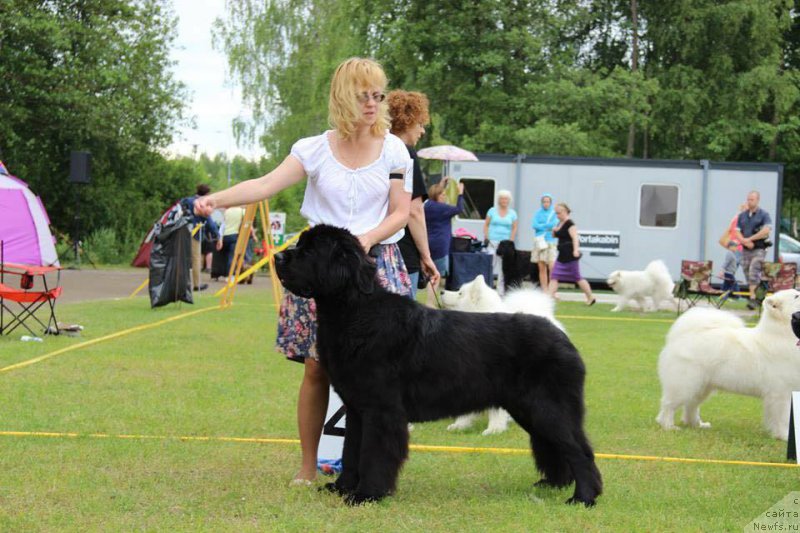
544, 243
500, 225
438, 217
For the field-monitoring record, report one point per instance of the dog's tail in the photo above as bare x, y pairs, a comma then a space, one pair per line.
659, 272
658, 269
698, 320
532, 302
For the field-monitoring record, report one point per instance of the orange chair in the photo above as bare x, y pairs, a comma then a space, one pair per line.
28, 300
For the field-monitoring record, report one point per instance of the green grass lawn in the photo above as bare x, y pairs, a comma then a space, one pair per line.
216, 374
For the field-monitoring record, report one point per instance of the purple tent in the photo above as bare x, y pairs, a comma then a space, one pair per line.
24, 226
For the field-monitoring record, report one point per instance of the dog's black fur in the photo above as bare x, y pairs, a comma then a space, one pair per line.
394, 361
516, 265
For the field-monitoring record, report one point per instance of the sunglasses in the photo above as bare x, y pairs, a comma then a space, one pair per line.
365, 97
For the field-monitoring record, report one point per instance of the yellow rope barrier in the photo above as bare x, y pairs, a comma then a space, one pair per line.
415, 447
102, 339
616, 318
139, 288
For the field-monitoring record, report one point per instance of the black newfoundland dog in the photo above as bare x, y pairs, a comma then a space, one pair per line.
394, 361
516, 265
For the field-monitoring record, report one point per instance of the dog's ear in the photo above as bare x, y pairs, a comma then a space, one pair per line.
360, 265
479, 280
365, 281
773, 302
476, 288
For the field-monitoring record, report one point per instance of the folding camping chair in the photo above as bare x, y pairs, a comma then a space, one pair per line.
775, 277
695, 285
28, 300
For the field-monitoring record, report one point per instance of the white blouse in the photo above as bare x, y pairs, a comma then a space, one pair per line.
354, 199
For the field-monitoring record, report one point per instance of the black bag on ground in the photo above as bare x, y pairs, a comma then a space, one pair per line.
460, 244
171, 260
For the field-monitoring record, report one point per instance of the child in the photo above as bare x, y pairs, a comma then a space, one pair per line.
733, 257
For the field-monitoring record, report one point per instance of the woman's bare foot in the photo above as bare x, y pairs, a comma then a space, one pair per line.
304, 477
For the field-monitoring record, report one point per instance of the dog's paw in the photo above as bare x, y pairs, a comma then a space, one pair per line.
458, 426
493, 430
704, 425
358, 498
575, 500
545, 483
335, 489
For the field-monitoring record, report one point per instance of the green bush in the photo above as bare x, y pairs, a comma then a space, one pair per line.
103, 246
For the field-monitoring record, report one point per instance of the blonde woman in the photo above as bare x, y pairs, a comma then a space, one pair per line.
500, 225
359, 178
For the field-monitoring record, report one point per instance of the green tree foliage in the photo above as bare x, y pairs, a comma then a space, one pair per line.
715, 79
91, 75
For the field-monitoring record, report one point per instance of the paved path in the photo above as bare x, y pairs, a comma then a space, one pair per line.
89, 284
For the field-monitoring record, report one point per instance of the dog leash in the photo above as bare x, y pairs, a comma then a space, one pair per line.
435, 292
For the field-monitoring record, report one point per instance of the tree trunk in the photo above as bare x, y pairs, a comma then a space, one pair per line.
634, 68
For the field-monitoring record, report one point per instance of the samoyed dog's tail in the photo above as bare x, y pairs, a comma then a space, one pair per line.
699, 320
661, 282
659, 272
532, 302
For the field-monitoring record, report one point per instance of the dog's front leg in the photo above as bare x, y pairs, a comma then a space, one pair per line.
384, 447
347, 481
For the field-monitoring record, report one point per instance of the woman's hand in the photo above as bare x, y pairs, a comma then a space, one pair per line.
460, 187
576, 253
204, 205
430, 270
366, 242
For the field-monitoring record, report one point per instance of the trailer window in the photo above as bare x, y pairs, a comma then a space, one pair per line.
478, 197
658, 206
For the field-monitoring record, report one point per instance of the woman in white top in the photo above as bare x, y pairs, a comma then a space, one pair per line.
359, 178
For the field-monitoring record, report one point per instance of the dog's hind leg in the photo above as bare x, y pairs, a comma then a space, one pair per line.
559, 439
347, 481
463, 422
776, 414
550, 462
384, 447
693, 396
666, 416
691, 415
498, 422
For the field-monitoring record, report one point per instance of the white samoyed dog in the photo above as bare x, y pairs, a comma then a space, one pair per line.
477, 297
651, 285
708, 349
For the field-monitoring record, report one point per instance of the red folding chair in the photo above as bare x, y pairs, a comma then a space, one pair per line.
28, 300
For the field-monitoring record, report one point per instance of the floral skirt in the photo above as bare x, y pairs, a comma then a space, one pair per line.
297, 318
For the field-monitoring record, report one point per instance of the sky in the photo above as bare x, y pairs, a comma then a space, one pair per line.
214, 102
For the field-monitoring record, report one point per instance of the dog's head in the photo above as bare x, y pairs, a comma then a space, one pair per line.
781, 306
613, 279
327, 262
475, 296
506, 249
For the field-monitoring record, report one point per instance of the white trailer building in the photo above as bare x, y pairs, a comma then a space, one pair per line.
628, 211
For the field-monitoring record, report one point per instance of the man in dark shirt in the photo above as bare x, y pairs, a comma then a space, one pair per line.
752, 229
